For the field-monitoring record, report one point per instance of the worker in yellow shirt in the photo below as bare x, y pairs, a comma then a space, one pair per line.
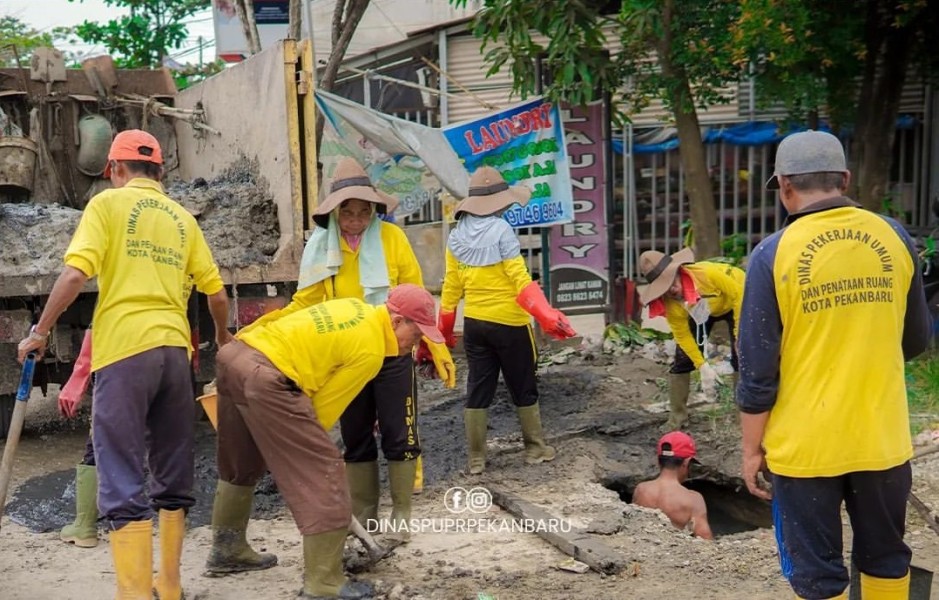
485, 266
147, 252
692, 296
282, 385
354, 254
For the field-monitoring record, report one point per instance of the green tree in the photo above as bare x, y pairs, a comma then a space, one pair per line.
14, 33
682, 55
849, 60
142, 38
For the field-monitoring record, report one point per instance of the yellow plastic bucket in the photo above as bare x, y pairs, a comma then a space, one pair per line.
209, 404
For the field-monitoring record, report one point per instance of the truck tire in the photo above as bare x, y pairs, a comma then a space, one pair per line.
7, 402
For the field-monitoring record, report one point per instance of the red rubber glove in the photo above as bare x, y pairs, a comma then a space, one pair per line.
446, 321
423, 355
71, 394
551, 320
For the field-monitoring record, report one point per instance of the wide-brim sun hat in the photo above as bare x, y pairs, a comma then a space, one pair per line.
659, 271
351, 181
489, 193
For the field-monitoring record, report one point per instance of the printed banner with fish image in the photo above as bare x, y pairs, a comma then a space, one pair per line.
526, 144
410, 161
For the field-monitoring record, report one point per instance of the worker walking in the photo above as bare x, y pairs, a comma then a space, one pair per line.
147, 252
485, 266
282, 385
355, 254
693, 297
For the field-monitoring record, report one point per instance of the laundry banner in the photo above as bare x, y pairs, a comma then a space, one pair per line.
526, 144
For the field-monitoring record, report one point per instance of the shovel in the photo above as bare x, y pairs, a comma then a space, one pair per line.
16, 427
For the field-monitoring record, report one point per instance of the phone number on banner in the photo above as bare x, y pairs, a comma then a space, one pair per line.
534, 214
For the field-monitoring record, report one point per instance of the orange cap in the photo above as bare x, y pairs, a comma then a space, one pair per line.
134, 144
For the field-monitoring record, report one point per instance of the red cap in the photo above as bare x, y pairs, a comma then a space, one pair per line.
415, 303
134, 144
678, 444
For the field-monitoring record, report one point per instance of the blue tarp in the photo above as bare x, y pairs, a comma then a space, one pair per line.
752, 133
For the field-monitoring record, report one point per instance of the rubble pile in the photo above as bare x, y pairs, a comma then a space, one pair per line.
34, 237
237, 213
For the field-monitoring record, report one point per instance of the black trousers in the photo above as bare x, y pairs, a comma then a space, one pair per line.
684, 364
491, 347
807, 518
391, 399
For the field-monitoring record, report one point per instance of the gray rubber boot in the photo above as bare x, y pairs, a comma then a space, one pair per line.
364, 490
536, 451
678, 386
401, 481
322, 569
230, 551
476, 421
83, 532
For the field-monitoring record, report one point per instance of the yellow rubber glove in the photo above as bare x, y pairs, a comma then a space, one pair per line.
439, 354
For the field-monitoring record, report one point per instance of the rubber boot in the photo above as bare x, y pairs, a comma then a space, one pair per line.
842, 596
419, 476
878, 588
476, 421
230, 551
536, 451
401, 481
364, 490
83, 532
322, 569
678, 386
132, 551
167, 584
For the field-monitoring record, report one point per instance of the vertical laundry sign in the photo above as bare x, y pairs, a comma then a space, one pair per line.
580, 252
526, 144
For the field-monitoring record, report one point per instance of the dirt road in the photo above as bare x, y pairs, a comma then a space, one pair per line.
595, 409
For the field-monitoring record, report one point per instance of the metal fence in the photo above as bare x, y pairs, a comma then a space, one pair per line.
652, 207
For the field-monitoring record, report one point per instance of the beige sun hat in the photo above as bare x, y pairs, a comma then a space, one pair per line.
351, 181
659, 270
489, 193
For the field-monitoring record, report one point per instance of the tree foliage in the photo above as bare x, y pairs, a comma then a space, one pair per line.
681, 55
845, 61
142, 38
848, 60
14, 33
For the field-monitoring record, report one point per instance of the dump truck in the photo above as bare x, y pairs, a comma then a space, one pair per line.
239, 154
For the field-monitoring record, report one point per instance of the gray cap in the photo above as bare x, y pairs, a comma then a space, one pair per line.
808, 152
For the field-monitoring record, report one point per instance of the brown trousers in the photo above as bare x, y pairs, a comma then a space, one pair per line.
265, 421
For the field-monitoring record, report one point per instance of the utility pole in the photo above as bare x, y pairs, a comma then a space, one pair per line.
201, 46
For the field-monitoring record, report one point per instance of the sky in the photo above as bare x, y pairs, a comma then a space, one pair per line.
45, 14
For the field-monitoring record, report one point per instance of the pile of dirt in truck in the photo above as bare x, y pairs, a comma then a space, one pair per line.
235, 211
35, 237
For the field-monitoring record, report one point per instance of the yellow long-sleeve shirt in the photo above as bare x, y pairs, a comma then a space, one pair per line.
147, 252
490, 292
721, 285
402, 268
330, 350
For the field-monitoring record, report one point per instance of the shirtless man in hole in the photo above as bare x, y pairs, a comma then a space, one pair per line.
676, 451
